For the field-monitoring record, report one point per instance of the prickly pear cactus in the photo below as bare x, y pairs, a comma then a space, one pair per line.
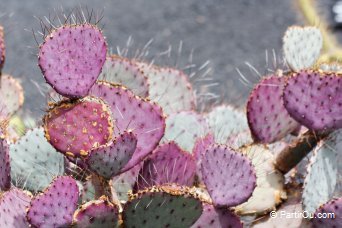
11, 96
34, 162
228, 175
13, 205
108, 160
164, 206
167, 164
268, 119
323, 177
96, 214
75, 127
5, 168
71, 58
314, 99
170, 88
130, 112
2, 47
126, 72
333, 209
302, 46
56, 205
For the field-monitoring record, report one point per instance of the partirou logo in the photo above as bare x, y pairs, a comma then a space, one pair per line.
301, 214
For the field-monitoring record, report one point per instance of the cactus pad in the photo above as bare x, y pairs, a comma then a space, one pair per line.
167, 164
108, 160
2, 48
13, 206
96, 214
169, 88
34, 162
324, 173
302, 47
216, 217
229, 176
165, 206
71, 58
130, 112
11, 96
314, 100
269, 190
334, 206
225, 121
268, 119
185, 128
75, 127
56, 205
5, 168
123, 71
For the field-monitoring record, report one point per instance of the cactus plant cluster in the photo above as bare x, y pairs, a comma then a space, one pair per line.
125, 144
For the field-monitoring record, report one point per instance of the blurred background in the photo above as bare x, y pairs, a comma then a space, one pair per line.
229, 33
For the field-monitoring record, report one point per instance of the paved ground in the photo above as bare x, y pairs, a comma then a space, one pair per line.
228, 32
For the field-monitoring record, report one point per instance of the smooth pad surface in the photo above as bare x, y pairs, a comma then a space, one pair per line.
229, 176
268, 119
315, 100
13, 206
56, 205
302, 46
162, 207
123, 71
167, 164
130, 112
75, 128
71, 58
108, 160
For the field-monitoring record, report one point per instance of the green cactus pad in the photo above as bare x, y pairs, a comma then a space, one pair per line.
76, 127
34, 161
11, 96
324, 173
226, 121
13, 205
170, 88
96, 214
123, 71
108, 160
269, 190
302, 46
164, 206
185, 128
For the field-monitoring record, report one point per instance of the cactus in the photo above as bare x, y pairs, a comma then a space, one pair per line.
185, 128
164, 206
333, 209
5, 168
13, 206
11, 96
167, 164
302, 46
267, 117
56, 205
169, 88
108, 160
75, 137
123, 71
71, 58
317, 108
2, 48
98, 213
130, 112
34, 162
214, 217
324, 173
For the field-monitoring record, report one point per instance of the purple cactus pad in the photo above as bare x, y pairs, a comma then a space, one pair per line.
5, 168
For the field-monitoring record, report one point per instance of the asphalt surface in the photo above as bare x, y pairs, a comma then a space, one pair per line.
228, 33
